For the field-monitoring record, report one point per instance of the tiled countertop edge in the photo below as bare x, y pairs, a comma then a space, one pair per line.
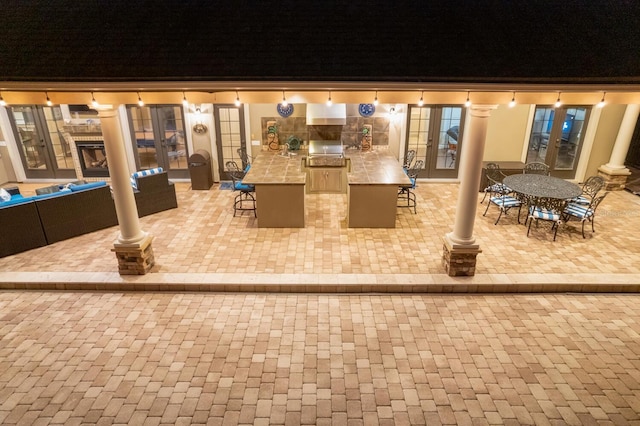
323, 283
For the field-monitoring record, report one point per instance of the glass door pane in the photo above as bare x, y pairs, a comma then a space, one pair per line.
556, 138
173, 141
143, 135
230, 136
159, 135
567, 146
540, 131
443, 123
58, 144
448, 137
43, 149
419, 128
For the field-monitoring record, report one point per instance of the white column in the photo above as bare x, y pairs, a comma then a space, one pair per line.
475, 132
130, 232
623, 140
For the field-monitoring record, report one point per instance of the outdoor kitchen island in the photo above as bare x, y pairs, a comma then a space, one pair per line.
372, 193
279, 181
373, 179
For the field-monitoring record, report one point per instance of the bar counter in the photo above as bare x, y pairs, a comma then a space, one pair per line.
279, 181
373, 179
372, 193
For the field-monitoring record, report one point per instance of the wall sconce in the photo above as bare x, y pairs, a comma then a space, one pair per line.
421, 101
467, 103
185, 102
513, 101
558, 102
375, 100
94, 103
284, 100
329, 101
2, 101
238, 103
140, 101
199, 127
49, 103
601, 103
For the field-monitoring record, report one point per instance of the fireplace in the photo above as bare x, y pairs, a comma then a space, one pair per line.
93, 160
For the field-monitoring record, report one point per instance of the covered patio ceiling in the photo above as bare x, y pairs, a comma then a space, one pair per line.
215, 52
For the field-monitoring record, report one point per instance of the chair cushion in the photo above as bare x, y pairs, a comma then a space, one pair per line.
506, 201
136, 175
578, 211
239, 186
498, 187
581, 200
542, 213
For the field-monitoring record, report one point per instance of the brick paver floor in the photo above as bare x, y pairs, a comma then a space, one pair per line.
288, 359
201, 242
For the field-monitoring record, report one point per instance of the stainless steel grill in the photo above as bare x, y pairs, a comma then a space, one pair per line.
323, 153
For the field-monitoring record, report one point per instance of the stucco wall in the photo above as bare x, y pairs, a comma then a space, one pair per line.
605, 138
506, 133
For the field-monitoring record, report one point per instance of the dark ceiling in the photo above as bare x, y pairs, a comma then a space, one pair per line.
423, 41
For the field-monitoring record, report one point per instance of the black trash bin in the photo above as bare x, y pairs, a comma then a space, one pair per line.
200, 170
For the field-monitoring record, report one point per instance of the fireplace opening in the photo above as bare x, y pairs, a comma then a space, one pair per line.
93, 159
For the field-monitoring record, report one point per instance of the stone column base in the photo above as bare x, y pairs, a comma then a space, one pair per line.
134, 259
615, 179
459, 261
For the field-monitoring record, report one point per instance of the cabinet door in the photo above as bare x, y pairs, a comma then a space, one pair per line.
325, 180
334, 180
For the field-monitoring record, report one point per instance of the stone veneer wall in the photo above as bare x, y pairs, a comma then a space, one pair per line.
351, 132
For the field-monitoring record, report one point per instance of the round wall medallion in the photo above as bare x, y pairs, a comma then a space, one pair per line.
200, 128
366, 110
285, 111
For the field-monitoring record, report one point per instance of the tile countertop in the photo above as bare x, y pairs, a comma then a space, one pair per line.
273, 168
367, 168
375, 168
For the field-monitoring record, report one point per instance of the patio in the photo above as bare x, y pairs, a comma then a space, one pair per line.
201, 246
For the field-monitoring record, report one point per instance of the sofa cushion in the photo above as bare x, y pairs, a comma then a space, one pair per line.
16, 199
136, 175
51, 195
85, 186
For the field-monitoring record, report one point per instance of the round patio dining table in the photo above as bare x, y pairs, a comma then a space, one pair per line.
542, 186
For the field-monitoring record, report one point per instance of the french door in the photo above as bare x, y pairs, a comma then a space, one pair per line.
556, 138
44, 151
230, 136
435, 133
158, 134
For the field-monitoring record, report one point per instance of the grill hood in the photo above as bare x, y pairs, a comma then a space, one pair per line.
325, 115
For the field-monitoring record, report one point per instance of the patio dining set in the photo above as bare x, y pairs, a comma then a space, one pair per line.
545, 197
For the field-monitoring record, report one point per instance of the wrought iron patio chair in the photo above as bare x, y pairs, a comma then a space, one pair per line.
244, 200
499, 196
406, 193
536, 168
583, 213
244, 157
590, 189
452, 136
547, 209
408, 159
494, 174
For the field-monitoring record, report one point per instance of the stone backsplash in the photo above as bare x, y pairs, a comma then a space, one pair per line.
350, 133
